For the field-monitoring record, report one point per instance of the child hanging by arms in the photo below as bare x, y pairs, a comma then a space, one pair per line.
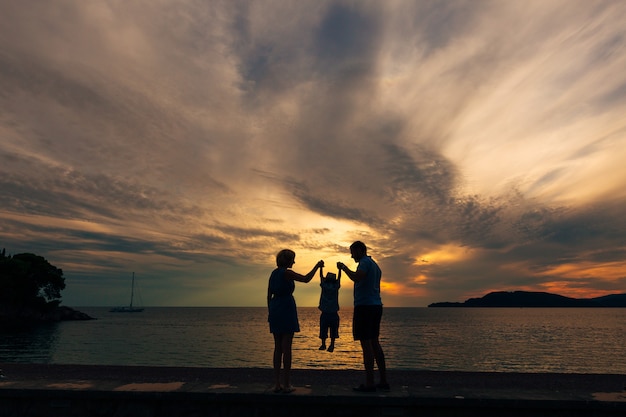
329, 306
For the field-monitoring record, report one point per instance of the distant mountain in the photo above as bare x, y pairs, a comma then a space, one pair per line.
536, 299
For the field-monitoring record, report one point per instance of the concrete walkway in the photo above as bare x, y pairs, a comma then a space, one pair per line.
54, 390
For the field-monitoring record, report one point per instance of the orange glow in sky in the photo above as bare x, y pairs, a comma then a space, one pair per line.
470, 147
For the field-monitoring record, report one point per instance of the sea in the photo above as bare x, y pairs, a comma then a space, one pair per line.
546, 340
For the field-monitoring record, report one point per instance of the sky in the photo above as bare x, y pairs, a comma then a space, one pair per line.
473, 146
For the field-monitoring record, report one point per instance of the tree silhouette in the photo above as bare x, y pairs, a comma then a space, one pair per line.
29, 280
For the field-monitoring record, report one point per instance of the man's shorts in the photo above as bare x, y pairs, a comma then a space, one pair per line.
366, 322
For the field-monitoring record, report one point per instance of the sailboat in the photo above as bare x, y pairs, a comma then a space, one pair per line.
130, 308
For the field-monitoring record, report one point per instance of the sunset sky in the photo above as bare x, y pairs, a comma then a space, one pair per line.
472, 145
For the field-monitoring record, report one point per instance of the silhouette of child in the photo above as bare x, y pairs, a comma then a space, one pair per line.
329, 306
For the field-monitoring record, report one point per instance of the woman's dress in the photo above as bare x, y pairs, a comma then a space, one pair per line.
283, 315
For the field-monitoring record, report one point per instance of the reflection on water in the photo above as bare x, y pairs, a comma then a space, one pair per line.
520, 340
500, 340
31, 344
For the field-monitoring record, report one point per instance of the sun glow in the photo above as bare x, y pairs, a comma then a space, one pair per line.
444, 254
401, 289
576, 279
609, 271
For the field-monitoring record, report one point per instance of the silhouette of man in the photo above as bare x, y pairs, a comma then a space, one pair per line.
368, 311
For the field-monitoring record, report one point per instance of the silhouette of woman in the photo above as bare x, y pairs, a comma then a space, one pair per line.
283, 315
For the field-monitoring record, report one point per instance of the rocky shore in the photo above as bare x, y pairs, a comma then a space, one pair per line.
20, 316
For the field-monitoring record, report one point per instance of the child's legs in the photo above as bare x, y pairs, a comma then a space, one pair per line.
324, 325
334, 330
334, 327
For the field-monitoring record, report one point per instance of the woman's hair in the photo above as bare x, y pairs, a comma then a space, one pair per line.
285, 258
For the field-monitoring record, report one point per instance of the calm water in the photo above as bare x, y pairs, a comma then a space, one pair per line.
501, 340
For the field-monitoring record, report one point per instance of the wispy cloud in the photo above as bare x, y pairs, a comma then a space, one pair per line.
474, 146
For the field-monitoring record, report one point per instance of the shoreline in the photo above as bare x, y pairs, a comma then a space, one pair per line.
397, 378
47, 390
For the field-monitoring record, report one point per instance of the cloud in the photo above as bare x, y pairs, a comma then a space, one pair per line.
474, 146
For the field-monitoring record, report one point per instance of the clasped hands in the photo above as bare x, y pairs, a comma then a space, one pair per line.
340, 265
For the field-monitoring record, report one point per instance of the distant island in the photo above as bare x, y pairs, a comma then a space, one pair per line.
535, 299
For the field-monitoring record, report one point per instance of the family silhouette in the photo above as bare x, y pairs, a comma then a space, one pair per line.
368, 310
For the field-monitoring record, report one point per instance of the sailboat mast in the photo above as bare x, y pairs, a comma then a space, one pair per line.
132, 291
